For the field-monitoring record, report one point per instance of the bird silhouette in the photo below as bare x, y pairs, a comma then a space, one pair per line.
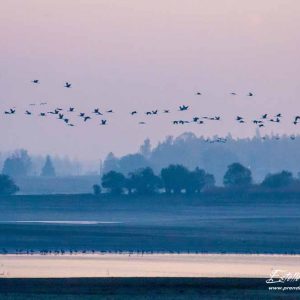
35, 81
27, 112
103, 122
68, 85
166, 111
250, 94
86, 118
110, 111
71, 109
198, 94
154, 112
183, 107
10, 112
97, 111
133, 112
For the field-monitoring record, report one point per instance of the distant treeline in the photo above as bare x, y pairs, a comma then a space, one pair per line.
177, 179
261, 154
20, 164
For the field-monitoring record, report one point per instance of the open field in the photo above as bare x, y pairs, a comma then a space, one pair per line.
210, 224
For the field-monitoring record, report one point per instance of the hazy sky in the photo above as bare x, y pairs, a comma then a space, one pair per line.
140, 55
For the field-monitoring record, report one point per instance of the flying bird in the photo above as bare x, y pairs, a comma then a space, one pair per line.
97, 111
68, 85
183, 107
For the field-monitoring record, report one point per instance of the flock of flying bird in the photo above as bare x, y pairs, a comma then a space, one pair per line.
64, 115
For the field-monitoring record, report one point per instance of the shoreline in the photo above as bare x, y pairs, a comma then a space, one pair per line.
146, 265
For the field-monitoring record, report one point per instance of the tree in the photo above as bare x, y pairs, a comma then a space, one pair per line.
114, 181
237, 176
197, 180
145, 149
7, 186
210, 181
97, 189
278, 180
18, 164
111, 163
132, 162
48, 168
143, 181
175, 178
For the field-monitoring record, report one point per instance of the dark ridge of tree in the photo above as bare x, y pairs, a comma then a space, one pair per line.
278, 180
48, 169
7, 186
237, 176
114, 182
175, 178
18, 164
143, 182
198, 180
96, 189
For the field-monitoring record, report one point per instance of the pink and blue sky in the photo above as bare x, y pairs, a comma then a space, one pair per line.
140, 55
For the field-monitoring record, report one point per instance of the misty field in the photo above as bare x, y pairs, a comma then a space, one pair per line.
212, 223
